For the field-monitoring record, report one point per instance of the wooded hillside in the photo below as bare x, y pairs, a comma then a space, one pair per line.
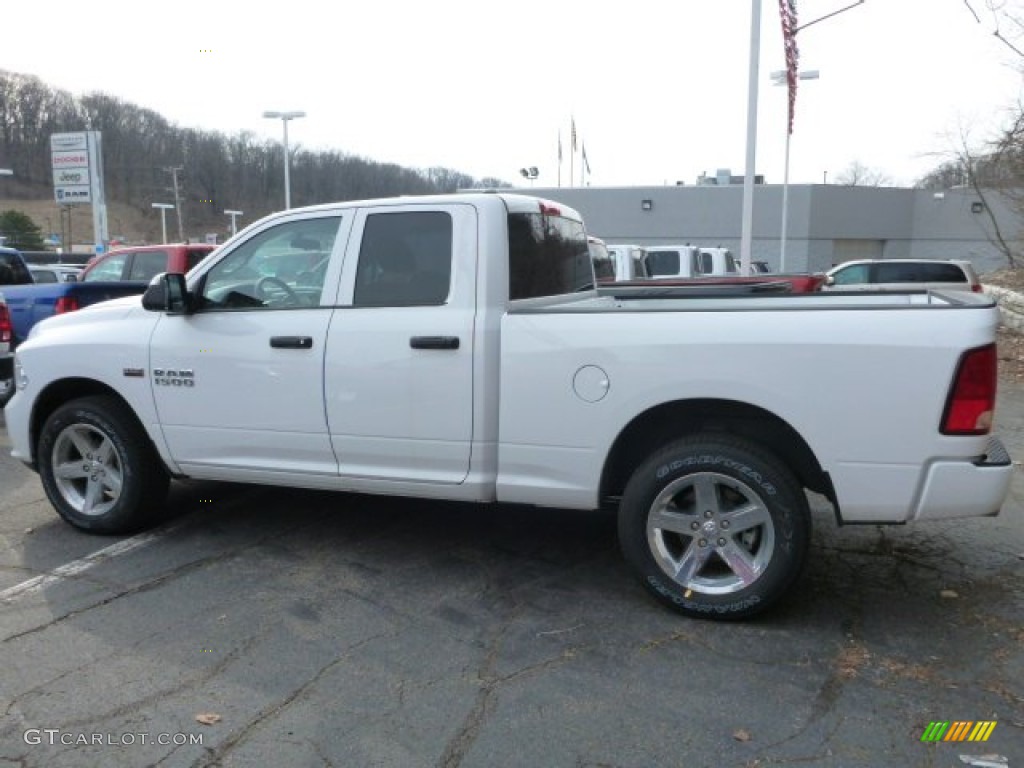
218, 171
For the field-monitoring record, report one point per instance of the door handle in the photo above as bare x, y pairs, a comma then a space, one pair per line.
291, 342
434, 342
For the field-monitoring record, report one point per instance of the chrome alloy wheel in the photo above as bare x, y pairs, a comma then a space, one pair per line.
710, 533
87, 469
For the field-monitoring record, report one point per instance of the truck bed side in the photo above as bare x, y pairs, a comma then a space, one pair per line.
575, 377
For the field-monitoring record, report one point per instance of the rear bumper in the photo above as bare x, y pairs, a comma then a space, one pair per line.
960, 488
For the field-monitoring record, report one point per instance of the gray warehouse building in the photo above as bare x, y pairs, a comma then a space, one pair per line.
827, 223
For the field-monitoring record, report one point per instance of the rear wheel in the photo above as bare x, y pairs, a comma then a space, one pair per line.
98, 467
715, 526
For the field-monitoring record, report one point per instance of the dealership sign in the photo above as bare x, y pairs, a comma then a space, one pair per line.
71, 151
76, 160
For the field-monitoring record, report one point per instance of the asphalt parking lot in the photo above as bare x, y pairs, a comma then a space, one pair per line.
314, 629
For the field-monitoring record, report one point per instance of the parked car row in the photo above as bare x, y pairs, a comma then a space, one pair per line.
692, 269
54, 273
631, 264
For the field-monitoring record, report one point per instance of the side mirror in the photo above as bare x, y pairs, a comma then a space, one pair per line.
829, 280
167, 292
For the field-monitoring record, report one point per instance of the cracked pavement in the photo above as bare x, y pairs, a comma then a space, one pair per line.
340, 630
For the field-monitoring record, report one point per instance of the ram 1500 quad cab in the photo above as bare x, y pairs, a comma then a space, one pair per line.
453, 347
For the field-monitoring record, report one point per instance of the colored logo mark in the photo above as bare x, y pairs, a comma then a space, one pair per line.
959, 730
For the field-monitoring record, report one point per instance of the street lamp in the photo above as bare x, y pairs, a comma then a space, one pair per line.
233, 215
779, 78
164, 207
530, 173
285, 117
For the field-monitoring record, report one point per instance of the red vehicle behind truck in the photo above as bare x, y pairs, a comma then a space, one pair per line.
141, 263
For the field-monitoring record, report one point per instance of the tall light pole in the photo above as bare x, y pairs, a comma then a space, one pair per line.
164, 207
779, 78
233, 215
285, 117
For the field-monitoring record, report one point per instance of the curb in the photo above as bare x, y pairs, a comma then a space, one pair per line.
1011, 306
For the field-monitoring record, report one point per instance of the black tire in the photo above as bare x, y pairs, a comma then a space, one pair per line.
733, 554
98, 467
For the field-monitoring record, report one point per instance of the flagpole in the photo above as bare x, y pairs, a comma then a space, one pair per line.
572, 147
746, 236
559, 158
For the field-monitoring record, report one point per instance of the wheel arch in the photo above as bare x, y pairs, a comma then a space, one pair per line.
62, 391
659, 425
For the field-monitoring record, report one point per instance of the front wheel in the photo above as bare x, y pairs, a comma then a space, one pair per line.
715, 526
98, 467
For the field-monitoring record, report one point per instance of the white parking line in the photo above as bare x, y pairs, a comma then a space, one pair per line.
76, 567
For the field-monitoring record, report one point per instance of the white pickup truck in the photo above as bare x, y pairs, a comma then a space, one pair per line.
452, 347
669, 261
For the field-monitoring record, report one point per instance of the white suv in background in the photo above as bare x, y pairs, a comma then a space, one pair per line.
902, 274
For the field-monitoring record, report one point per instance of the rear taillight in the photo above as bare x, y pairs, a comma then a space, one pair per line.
976, 288
65, 304
972, 396
6, 329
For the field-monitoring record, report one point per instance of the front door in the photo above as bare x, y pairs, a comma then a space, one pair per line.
238, 384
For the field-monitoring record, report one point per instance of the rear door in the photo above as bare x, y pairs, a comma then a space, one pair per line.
399, 365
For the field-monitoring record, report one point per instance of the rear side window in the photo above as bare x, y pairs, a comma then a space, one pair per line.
548, 256
44, 275
13, 270
193, 257
910, 272
663, 263
147, 265
405, 259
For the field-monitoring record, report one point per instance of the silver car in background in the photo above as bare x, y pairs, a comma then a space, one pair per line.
902, 274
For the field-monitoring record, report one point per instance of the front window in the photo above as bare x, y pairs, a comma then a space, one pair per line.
280, 268
548, 256
109, 268
604, 270
856, 274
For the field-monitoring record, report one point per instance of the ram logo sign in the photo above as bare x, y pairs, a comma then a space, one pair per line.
168, 377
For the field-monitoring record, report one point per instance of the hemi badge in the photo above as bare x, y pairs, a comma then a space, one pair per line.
135, 373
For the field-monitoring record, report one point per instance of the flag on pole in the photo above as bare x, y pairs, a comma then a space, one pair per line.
787, 10
583, 152
573, 123
559, 147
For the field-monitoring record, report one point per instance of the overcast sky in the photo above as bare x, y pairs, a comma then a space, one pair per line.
658, 88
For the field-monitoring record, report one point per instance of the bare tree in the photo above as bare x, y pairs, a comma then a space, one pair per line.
856, 174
